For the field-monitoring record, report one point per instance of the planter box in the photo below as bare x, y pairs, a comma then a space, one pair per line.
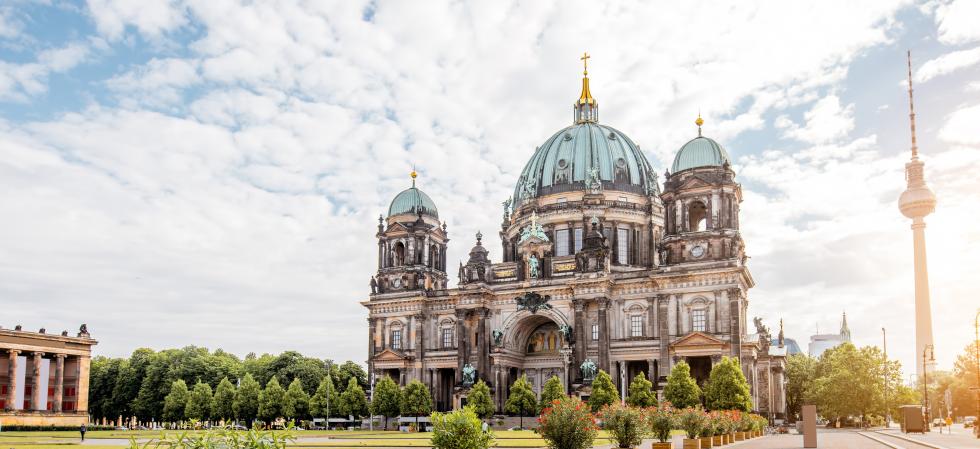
739, 436
667, 445
705, 442
730, 437
717, 440
692, 443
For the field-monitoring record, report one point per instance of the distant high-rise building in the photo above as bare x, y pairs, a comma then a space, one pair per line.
822, 342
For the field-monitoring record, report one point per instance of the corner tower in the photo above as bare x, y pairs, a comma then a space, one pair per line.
411, 244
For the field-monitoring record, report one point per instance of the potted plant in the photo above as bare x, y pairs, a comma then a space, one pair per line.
745, 425
624, 424
717, 426
692, 421
731, 422
567, 423
662, 420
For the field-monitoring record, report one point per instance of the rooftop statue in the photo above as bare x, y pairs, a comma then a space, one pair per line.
534, 230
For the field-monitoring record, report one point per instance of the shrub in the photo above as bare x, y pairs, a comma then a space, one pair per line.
732, 418
553, 389
459, 429
746, 422
715, 424
567, 423
727, 388
681, 389
692, 420
479, 399
624, 424
603, 391
661, 421
219, 438
641, 392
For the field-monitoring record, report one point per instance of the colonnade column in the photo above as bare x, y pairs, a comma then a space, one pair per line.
12, 363
81, 393
460, 344
59, 382
483, 355
662, 302
581, 331
603, 334
36, 382
623, 380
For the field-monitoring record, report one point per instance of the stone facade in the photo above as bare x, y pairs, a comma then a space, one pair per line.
44, 377
599, 266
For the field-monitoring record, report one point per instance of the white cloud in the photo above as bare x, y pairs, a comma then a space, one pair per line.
957, 23
152, 18
961, 126
826, 121
947, 63
19, 82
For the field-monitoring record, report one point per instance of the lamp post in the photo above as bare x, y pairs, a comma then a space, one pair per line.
976, 355
925, 379
884, 347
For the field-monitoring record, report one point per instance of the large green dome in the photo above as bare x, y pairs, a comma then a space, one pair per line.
413, 201
699, 152
565, 161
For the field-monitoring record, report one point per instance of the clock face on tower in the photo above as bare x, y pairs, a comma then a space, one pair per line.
697, 251
397, 282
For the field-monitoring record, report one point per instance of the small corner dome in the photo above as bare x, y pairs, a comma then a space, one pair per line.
413, 201
699, 152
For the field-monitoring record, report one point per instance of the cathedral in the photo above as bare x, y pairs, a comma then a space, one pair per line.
602, 268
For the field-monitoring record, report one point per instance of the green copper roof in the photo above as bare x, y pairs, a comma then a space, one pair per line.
699, 152
413, 201
564, 162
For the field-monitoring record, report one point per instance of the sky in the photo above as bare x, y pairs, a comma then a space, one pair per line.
179, 172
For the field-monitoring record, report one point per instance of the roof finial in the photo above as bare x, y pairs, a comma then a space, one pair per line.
585, 63
699, 122
413, 175
915, 147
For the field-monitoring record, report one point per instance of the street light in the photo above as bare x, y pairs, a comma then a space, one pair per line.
976, 355
884, 347
925, 379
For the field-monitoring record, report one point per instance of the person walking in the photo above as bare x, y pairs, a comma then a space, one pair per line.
82, 430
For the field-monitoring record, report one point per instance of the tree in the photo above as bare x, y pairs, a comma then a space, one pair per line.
352, 401
224, 401
176, 401
459, 429
297, 402
727, 388
800, 374
681, 389
387, 399
479, 400
641, 392
200, 402
246, 405
603, 392
852, 382
344, 373
416, 400
522, 400
271, 401
320, 403
553, 390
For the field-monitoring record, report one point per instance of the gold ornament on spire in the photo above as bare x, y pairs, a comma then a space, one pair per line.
699, 122
414, 175
586, 96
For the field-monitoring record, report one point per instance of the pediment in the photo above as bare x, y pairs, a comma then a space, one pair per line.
694, 182
387, 355
698, 339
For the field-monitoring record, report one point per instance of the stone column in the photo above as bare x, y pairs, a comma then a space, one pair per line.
664, 337
652, 373
59, 382
12, 386
36, 382
81, 392
581, 331
603, 304
483, 354
651, 317
623, 380
460, 344
735, 328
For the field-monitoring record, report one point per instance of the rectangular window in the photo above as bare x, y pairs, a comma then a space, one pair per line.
699, 320
636, 326
396, 339
622, 246
447, 338
595, 332
578, 240
561, 242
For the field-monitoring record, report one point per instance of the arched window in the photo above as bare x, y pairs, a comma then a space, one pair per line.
698, 215
399, 254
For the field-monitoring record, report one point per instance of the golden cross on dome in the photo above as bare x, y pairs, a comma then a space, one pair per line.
585, 63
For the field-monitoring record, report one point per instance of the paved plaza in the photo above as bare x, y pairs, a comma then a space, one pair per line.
893, 438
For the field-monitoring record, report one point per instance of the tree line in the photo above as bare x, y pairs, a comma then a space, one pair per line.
193, 382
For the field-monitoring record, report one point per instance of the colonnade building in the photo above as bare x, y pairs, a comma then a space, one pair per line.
44, 377
601, 267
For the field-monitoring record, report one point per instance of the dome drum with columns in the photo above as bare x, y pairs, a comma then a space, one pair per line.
598, 267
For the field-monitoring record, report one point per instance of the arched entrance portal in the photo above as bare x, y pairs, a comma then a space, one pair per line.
534, 346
